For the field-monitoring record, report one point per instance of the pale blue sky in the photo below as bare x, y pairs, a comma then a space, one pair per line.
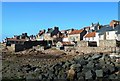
30, 17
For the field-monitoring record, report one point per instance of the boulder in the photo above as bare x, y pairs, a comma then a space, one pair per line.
83, 62
88, 75
113, 76
96, 56
99, 73
90, 64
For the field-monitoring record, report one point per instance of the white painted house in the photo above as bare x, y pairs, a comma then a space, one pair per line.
92, 37
65, 39
109, 33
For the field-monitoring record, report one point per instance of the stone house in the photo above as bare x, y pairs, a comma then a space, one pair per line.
20, 39
65, 39
77, 35
114, 23
109, 33
10, 41
118, 32
95, 27
40, 35
92, 38
52, 33
65, 33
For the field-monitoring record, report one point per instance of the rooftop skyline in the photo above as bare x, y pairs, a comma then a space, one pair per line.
30, 17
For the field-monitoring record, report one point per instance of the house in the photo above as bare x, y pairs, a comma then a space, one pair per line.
20, 39
77, 35
117, 28
95, 27
114, 23
51, 33
32, 38
108, 33
66, 32
65, 39
92, 38
10, 41
40, 35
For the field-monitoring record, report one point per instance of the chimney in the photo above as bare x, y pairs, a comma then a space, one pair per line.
92, 24
48, 29
56, 28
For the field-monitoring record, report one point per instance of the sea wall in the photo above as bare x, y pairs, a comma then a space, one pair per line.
107, 43
97, 49
82, 43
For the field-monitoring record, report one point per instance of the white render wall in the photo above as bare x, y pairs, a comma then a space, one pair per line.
118, 37
74, 36
111, 35
65, 39
96, 39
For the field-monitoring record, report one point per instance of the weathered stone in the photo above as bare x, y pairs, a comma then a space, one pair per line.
73, 62
106, 72
90, 64
88, 75
83, 62
76, 65
97, 67
79, 58
67, 64
96, 56
81, 78
40, 77
99, 73
111, 68
106, 57
113, 76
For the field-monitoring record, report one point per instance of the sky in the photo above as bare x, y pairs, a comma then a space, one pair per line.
30, 17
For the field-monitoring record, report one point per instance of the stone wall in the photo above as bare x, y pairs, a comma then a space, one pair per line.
19, 47
107, 43
82, 43
97, 49
26, 45
11, 48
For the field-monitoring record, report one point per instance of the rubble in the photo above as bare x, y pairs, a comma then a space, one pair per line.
50, 66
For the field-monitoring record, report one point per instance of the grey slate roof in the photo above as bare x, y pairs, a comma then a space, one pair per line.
108, 28
104, 29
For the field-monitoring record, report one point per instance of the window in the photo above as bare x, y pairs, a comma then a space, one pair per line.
92, 38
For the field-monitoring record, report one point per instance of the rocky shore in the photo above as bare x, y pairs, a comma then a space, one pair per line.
53, 65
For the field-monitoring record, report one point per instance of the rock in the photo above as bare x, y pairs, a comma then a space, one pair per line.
67, 64
106, 72
97, 67
73, 62
78, 58
96, 56
99, 73
52, 68
83, 62
75, 65
90, 64
40, 77
113, 76
111, 68
88, 75
106, 57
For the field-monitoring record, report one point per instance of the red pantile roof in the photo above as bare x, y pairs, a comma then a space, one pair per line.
67, 43
14, 39
91, 34
76, 32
